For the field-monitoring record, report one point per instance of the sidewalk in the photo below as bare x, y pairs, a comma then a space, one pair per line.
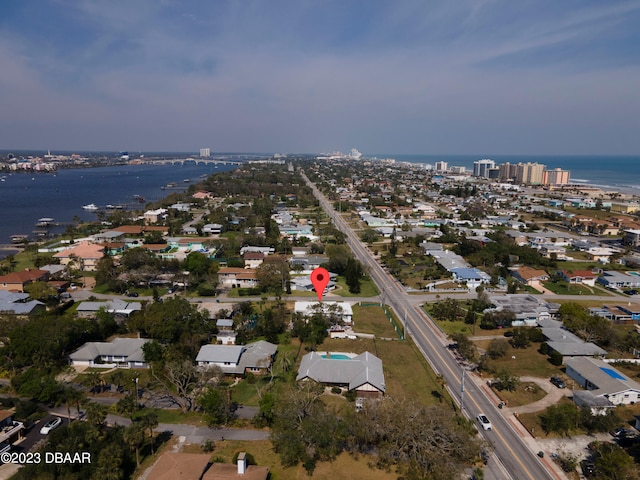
511, 416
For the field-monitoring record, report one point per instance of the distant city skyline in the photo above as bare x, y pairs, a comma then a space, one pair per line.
411, 77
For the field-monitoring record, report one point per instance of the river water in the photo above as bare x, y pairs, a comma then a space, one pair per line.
25, 197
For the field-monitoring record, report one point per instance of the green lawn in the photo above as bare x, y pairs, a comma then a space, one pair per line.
563, 288
367, 288
372, 320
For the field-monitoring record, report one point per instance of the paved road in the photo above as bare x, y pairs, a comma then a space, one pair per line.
516, 456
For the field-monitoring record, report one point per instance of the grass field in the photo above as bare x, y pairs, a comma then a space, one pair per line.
527, 362
525, 393
372, 320
367, 288
564, 288
345, 466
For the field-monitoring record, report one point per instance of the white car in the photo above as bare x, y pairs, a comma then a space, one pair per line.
50, 425
484, 421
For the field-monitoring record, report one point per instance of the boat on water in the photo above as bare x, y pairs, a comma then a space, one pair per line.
91, 206
45, 222
19, 238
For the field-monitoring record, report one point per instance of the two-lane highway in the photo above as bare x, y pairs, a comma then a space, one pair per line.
519, 461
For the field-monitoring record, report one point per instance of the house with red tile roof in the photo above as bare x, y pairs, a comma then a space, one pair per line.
586, 277
16, 281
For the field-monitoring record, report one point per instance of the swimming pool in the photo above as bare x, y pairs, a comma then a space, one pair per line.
337, 356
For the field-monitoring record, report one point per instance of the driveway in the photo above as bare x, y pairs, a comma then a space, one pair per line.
554, 394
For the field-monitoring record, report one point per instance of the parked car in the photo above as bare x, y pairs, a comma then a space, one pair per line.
557, 381
132, 294
484, 421
50, 425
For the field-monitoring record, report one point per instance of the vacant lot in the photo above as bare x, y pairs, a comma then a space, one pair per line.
372, 319
523, 361
345, 466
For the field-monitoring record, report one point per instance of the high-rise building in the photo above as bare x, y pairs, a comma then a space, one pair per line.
529, 173
507, 172
458, 170
441, 167
557, 176
205, 152
481, 167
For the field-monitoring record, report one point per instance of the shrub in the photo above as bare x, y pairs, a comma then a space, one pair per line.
497, 348
555, 358
336, 390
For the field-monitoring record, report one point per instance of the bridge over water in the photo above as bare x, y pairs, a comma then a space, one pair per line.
197, 161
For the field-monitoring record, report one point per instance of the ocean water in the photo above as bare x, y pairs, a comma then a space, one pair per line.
27, 197
620, 173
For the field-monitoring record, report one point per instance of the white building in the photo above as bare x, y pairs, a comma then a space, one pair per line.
342, 308
205, 152
603, 380
481, 167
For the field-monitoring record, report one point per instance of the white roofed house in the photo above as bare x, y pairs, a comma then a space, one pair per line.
341, 310
360, 373
256, 357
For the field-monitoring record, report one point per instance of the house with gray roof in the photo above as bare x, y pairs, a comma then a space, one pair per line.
566, 343
117, 306
603, 380
16, 303
529, 310
360, 373
256, 357
120, 352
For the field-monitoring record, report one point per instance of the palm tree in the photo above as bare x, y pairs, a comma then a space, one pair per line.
127, 406
134, 436
149, 421
96, 413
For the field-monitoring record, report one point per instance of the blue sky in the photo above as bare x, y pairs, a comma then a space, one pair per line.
406, 76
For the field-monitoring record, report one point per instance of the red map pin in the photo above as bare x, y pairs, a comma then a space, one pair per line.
320, 279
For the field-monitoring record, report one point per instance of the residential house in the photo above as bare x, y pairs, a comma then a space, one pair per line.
619, 280
308, 263
342, 310
253, 260
120, 352
84, 256
212, 229
155, 216
532, 277
16, 281
584, 277
118, 307
566, 343
226, 335
17, 303
360, 373
234, 277
603, 380
256, 357
198, 466
529, 310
